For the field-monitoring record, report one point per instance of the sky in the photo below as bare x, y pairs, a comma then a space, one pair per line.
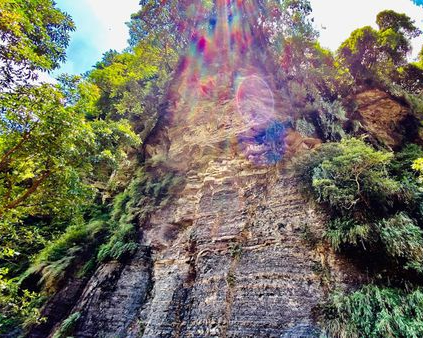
101, 25
336, 19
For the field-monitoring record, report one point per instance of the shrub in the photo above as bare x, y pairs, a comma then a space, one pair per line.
57, 257
121, 243
402, 163
123, 238
17, 306
130, 209
418, 166
371, 195
415, 102
342, 232
305, 164
304, 127
330, 119
350, 176
402, 240
375, 312
371, 209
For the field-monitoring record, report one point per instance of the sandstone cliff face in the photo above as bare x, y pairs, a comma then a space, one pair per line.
225, 259
385, 118
232, 254
229, 255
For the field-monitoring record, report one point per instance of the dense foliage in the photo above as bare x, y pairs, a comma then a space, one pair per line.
375, 312
373, 196
34, 37
374, 199
61, 150
371, 54
370, 206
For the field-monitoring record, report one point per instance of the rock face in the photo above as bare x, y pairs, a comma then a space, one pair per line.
384, 117
232, 254
237, 266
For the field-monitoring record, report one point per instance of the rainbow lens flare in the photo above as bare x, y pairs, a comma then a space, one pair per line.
225, 87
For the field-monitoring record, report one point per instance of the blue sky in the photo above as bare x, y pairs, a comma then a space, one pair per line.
101, 24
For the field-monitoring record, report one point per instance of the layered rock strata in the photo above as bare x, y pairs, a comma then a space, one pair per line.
232, 254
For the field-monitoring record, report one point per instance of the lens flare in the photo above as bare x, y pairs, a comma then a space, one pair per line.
255, 101
223, 84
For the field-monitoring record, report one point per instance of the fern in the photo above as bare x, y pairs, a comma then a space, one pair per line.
68, 325
375, 312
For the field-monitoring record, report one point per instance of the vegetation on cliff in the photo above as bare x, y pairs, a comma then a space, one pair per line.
373, 195
75, 186
62, 149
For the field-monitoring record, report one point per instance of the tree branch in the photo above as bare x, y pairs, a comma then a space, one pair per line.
8, 153
27, 194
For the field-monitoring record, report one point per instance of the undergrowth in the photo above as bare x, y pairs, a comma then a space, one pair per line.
67, 326
375, 312
130, 209
112, 234
373, 199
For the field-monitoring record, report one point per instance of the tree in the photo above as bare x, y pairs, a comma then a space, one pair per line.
36, 143
168, 24
128, 86
399, 23
289, 19
34, 37
373, 54
57, 149
410, 76
359, 52
53, 164
50, 154
352, 176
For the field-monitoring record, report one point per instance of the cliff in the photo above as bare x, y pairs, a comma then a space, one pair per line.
231, 253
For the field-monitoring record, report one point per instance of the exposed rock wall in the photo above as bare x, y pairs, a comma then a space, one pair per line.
385, 118
227, 257
237, 267
231, 254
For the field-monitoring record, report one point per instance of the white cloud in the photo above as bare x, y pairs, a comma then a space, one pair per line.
112, 15
341, 17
